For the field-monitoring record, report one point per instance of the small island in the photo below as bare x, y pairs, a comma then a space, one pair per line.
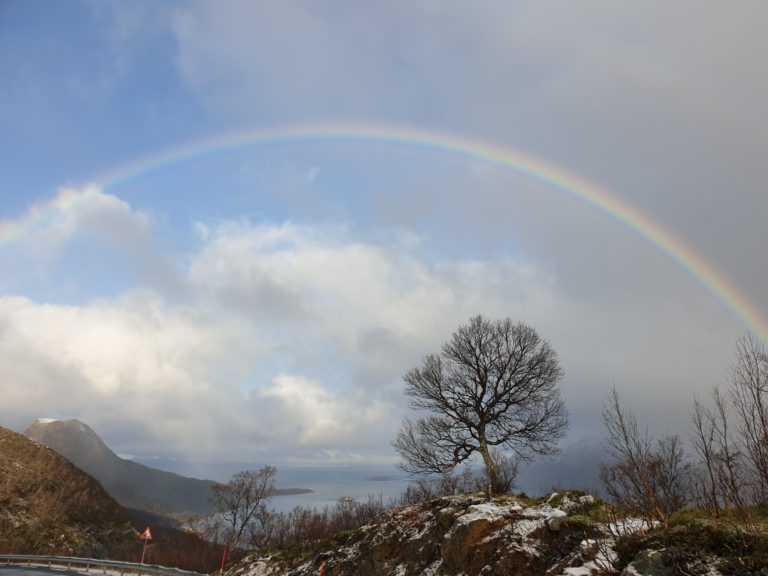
291, 491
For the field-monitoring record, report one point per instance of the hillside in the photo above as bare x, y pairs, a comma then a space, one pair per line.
447, 536
567, 534
49, 506
133, 485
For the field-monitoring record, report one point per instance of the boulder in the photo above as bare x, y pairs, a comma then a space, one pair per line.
555, 519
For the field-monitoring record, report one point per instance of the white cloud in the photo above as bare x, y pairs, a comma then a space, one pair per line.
296, 340
86, 230
47, 226
130, 359
202, 231
351, 300
319, 418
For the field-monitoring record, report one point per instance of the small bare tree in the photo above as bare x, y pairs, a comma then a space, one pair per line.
648, 477
749, 396
729, 460
703, 439
507, 468
241, 502
494, 384
722, 477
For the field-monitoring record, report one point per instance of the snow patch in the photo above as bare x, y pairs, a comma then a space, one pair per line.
432, 568
587, 569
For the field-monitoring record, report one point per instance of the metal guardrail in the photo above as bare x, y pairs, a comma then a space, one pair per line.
72, 563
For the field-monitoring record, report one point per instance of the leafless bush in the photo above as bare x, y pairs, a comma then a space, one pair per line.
507, 468
451, 483
649, 477
733, 467
305, 527
749, 397
720, 481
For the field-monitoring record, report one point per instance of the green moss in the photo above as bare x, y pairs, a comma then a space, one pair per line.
688, 515
340, 538
287, 555
555, 500
742, 548
582, 525
292, 555
524, 499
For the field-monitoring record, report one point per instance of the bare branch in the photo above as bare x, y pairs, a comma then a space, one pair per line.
646, 478
241, 501
493, 384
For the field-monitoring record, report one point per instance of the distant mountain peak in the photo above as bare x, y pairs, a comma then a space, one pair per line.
46, 420
132, 484
74, 439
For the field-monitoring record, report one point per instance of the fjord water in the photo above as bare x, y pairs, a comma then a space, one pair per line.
329, 484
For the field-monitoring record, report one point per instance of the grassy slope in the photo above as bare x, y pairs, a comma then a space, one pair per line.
47, 505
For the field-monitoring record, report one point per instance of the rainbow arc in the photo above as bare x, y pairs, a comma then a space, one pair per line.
468, 148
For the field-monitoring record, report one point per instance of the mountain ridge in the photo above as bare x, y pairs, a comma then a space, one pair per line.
133, 485
145, 491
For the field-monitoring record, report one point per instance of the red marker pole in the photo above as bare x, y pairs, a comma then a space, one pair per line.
222, 561
321, 568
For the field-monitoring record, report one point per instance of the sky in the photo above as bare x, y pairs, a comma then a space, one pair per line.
227, 229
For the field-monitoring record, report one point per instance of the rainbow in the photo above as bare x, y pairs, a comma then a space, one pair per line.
468, 148
39, 215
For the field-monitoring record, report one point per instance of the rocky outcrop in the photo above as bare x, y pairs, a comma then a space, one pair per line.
567, 534
450, 536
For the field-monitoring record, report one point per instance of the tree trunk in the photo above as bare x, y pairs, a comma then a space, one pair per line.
490, 467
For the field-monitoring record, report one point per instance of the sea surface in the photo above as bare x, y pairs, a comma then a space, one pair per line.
333, 483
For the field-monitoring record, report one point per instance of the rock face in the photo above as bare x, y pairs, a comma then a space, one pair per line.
570, 534
673, 561
446, 537
650, 563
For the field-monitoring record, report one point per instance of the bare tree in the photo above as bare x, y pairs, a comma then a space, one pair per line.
494, 384
648, 477
730, 461
749, 396
703, 439
241, 502
723, 478
671, 472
